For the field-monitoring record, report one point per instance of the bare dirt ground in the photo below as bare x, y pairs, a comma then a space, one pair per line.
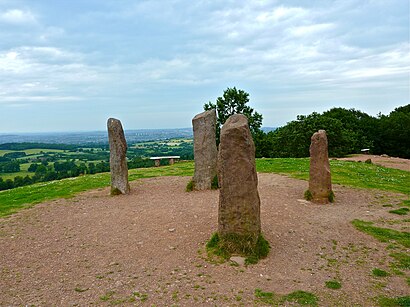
147, 248
392, 162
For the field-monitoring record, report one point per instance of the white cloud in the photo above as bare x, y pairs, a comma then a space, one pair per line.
10, 62
16, 16
46, 74
392, 62
40, 98
47, 53
168, 52
50, 33
281, 13
311, 29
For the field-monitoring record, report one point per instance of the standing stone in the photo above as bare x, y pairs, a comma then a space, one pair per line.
320, 185
239, 202
118, 160
205, 151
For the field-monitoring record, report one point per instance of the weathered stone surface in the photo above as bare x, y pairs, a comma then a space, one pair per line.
239, 202
205, 151
118, 161
320, 185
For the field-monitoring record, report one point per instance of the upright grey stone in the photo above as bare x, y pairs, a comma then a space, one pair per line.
118, 160
239, 202
320, 184
205, 151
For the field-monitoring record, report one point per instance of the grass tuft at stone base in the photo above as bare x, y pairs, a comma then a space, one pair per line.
331, 197
308, 195
115, 191
215, 183
190, 186
235, 244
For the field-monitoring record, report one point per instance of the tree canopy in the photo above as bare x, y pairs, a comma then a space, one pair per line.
348, 132
234, 101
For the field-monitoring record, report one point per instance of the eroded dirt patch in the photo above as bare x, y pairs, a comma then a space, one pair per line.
148, 248
391, 162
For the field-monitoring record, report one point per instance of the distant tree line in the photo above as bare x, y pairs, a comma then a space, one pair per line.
53, 171
23, 146
76, 160
9, 166
45, 171
184, 150
348, 132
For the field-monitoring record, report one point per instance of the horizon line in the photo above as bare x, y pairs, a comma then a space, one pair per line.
87, 131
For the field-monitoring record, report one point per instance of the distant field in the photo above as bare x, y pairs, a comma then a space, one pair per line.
31, 151
24, 169
172, 142
23, 172
39, 150
2, 152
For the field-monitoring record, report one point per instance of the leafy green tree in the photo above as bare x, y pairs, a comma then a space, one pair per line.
82, 169
361, 127
394, 133
27, 180
41, 170
263, 144
10, 166
102, 166
33, 167
18, 181
293, 139
14, 155
50, 175
234, 101
8, 184
91, 168
2, 184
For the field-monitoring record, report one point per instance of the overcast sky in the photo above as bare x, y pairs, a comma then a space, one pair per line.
68, 65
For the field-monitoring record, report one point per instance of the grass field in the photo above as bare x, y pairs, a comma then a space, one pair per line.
171, 143
343, 172
3, 152
349, 173
23, 172
31, 151
24, 169
24, 197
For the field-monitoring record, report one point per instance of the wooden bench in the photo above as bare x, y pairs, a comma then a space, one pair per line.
171, 159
